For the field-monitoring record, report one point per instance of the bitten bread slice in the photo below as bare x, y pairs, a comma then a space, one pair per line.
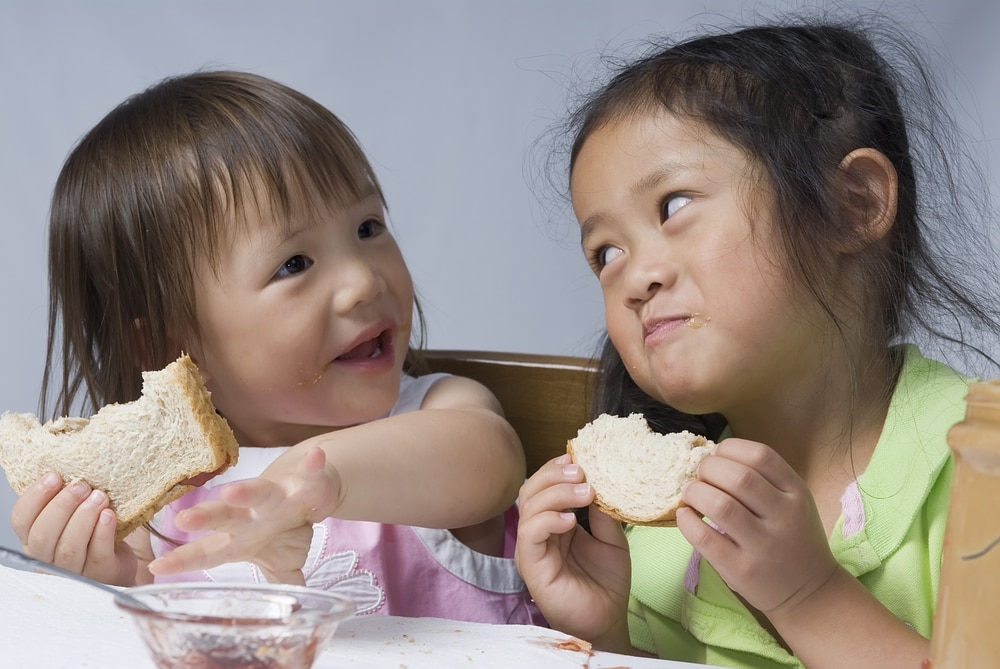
637, 474
137, 452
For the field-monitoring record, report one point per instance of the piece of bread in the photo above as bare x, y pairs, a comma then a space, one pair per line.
637, 474
138, 452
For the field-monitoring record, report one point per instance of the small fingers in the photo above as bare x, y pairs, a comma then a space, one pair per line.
558, 484
743, 489
758, 457
77, 540
545, 504
102, 561
533, 536
44, 538
257, 493
31, 503
553, 471
713, 544
606, 528
205, 553
219, 515
313, 462
721, 508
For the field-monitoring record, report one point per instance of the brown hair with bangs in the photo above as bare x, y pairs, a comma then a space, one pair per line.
149, 192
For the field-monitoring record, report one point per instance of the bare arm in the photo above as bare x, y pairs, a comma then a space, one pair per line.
455, 462
842, 625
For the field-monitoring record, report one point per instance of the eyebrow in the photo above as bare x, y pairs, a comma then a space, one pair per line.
643, 185
309, 219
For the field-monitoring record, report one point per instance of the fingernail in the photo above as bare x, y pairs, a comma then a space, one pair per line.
581, 489
96, 498
107, 517
80, 490
563, 459
571, 471
51, 480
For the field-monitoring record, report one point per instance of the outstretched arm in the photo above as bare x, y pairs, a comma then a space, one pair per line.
579, 581
769, 545
454, 463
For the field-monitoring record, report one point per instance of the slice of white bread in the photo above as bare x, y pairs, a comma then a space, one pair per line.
137, 452
637, 474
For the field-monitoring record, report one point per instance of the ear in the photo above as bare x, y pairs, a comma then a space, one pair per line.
870, 184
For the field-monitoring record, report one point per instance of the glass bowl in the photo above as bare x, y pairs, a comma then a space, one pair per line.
235, 626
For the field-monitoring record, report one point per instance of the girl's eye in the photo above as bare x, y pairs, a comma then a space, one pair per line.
294, 265
605, 255
369, 228
672, 204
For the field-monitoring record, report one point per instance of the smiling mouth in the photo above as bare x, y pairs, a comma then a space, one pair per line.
368, 350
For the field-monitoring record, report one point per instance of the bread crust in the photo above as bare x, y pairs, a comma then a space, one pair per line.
139, 453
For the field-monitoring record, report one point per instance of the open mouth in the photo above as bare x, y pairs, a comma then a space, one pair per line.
368, 350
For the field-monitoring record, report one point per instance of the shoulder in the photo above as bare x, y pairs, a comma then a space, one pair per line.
413, 390
906, 484
444, 391
928, 389
928, 399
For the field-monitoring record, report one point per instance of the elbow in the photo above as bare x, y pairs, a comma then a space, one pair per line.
507, 461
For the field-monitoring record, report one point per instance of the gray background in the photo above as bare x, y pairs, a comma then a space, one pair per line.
448, 98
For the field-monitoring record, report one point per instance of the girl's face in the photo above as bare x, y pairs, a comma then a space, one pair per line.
696, 300
305, 331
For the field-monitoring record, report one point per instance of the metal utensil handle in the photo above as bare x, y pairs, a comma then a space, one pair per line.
14, 558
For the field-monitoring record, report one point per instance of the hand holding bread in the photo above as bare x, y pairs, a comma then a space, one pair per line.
581, 577
141, 453
637, 475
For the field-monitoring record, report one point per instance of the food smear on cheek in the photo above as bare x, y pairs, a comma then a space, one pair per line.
697, 321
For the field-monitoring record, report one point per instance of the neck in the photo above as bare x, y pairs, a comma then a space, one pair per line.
825, 426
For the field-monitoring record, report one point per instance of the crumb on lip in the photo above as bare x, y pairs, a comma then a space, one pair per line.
696, 321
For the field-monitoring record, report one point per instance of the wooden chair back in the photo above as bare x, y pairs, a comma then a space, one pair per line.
546, 398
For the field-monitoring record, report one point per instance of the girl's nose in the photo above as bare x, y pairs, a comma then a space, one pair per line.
358, 281
648, 271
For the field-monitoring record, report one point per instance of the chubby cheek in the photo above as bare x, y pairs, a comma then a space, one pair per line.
627, 339
648, 372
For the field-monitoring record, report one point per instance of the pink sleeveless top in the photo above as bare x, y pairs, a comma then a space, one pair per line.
394, 570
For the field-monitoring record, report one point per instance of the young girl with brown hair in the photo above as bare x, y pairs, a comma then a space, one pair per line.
230, 217
756, 210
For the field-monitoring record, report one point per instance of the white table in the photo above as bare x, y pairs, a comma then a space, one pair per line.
49, 622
